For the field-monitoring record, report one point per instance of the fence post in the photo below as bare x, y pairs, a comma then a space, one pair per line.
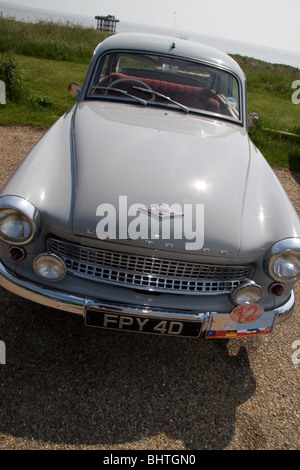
2, 92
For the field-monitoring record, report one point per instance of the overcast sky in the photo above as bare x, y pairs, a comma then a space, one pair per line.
269, 23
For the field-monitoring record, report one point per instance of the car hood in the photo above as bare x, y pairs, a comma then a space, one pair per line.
100, 152
128, 155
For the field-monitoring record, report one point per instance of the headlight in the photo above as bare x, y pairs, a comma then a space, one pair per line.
247, 293
283, 260
19, 220
49, 267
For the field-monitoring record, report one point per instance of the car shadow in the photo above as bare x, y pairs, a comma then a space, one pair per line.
71, 385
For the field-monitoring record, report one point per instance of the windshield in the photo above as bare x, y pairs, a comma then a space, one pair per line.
189, 85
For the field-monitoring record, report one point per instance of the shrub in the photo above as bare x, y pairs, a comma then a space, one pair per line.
43, 101
11, 76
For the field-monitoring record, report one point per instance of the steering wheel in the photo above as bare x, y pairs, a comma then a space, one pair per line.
136, 80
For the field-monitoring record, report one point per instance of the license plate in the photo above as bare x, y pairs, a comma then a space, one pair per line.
223, 326
142, 324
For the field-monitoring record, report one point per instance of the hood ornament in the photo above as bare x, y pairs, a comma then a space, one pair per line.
164, 210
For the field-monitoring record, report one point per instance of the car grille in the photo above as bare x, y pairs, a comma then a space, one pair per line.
148, 273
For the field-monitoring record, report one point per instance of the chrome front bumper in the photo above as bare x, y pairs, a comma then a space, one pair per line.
50, 297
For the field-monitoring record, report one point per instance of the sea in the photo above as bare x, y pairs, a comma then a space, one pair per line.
266, 54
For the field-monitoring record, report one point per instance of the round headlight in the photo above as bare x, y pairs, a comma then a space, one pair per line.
19, 220
247, 293
14, 227
284, 260
49, 267
285, 267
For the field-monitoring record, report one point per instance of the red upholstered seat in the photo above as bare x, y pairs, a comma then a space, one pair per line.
191, 96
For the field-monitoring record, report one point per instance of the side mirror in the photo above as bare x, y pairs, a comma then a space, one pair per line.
74, 89
252, 119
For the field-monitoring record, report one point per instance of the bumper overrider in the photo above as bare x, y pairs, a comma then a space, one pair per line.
184, 323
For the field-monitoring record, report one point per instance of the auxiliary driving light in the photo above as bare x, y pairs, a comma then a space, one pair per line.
248, 292
49, 267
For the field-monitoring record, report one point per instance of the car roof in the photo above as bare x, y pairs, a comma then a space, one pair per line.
165, 45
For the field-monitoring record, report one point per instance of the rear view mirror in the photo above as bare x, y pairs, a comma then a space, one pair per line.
74, 89
252, 119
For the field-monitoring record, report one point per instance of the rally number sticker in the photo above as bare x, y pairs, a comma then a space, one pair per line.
247, 313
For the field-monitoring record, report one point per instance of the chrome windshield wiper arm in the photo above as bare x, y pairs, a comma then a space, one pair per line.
164, 97
123, 92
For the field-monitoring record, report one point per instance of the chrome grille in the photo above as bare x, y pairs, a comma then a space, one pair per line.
142, 272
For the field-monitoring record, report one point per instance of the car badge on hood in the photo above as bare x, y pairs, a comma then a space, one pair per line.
163, 210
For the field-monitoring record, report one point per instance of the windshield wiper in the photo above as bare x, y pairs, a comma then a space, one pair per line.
123, 92
164, 97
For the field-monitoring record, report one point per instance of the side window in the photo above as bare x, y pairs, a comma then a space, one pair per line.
223, 85
235, 94
228, 88
102, 71
104, 67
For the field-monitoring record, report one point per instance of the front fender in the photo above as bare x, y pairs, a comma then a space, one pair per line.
46, 175
268, 214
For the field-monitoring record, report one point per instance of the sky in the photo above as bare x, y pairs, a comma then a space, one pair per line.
268, 23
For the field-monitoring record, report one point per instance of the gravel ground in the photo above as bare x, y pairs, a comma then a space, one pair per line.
66, 386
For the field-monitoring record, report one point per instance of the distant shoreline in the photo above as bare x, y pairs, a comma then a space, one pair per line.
229, 46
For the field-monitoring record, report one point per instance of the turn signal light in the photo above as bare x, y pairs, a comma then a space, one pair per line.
16, 253
276, 289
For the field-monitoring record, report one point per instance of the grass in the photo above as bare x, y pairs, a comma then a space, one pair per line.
49, 40
46, 82
49, 56
278, 149
270, 96
270, 93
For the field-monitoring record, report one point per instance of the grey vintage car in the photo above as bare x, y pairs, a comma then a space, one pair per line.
147, 208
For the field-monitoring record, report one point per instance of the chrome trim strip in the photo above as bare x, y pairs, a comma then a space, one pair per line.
76, 304
285, 311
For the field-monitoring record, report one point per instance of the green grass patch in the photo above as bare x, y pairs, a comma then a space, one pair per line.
270, 96
269, 88
47, 98
278, 149
49, 40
